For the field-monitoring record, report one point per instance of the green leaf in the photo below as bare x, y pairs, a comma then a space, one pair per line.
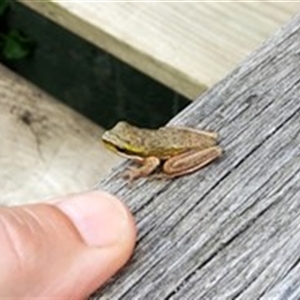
16, 45
3, 6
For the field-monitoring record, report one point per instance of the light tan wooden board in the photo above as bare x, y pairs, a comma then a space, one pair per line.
47, 149
186, 46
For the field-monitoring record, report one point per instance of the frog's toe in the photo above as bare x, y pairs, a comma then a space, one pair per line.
131, 174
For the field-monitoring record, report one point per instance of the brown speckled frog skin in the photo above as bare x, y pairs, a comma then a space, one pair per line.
181, 150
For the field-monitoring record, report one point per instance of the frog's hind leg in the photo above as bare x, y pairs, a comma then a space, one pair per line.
189, 162
149, 165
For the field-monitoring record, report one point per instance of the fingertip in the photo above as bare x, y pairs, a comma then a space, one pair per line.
101, 218
107, 226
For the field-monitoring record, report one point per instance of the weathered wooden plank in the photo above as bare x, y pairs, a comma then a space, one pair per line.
185, 45
231, 230
47, 149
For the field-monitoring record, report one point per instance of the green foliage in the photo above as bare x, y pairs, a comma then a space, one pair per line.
3, 6
14, 44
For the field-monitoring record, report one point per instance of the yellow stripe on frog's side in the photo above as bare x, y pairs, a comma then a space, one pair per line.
129, 152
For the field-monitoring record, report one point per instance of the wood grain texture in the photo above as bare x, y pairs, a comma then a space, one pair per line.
231, 230
47, 149
187, 46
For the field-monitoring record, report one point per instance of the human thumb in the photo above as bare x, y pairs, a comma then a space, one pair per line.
65, 249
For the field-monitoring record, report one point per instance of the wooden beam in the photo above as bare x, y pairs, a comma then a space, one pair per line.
231, 230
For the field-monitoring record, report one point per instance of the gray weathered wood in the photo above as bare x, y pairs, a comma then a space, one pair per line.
231, 230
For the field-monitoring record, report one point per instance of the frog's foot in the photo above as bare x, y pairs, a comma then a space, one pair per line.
149, 165
131, 174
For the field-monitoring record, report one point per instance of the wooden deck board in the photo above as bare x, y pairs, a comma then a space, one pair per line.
187, 46
47, 149
231, 230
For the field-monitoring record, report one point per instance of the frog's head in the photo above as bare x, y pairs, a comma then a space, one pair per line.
124, 139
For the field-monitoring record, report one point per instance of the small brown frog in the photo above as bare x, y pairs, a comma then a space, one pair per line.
179, 150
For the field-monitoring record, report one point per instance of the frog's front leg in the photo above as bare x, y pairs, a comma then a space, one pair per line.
190, 161
149, 164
